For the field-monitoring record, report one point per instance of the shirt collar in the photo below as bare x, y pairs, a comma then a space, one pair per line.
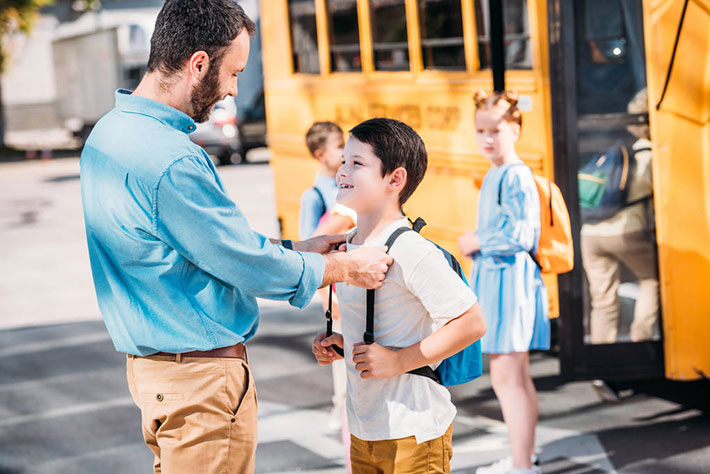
380, 238
127, 102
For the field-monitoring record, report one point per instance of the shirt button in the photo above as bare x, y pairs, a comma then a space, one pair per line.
159, 397
190, 127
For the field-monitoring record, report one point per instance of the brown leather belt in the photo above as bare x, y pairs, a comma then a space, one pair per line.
237, 351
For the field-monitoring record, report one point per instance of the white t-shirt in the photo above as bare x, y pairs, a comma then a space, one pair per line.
420, 294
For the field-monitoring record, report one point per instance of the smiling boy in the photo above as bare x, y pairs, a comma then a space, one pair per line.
424, 313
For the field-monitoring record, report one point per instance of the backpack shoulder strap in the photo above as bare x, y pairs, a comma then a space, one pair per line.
426, 371
418, 224
369, 336
324, 207
502, 180
637, 150
396, 235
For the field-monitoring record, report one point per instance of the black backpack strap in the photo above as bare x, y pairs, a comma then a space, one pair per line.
396, 235
322, 200
329, 322
418, 224
639, 201
369, 336
637, 150
426, 371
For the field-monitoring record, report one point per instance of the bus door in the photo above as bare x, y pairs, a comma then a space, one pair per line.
610, 304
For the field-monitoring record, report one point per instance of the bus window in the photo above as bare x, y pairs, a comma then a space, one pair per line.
304, 39
611, 63
389, 35
344, 36
441, 27
518, 54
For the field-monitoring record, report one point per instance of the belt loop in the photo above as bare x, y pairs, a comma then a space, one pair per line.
178, 357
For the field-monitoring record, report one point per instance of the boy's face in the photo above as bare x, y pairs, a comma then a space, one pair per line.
331, 155
495, 137
361, 185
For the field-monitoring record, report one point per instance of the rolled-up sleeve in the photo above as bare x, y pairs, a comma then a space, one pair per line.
194, 216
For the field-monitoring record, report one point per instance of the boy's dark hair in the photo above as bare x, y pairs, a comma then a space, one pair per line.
186, 26
396, 144
317, 135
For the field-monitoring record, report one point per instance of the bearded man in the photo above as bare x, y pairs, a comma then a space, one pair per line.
176, 267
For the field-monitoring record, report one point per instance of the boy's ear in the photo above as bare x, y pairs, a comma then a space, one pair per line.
318, 154
398, 178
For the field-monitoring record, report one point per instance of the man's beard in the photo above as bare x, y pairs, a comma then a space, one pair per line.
206, 94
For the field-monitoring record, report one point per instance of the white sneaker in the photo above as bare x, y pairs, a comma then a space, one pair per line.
505, 466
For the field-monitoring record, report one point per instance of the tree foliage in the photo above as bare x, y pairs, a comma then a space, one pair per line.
17, 16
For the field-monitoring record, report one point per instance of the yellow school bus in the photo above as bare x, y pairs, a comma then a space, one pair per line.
576, 65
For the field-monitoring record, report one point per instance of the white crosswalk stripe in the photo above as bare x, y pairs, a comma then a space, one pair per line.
309, 430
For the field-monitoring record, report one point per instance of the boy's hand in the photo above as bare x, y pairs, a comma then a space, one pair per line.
469, 243
376, 361
320, 244
320, 348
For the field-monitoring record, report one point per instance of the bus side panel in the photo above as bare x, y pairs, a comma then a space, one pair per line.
437, 104
680, 131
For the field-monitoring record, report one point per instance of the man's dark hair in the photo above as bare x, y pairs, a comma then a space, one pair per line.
184, 27
396, 144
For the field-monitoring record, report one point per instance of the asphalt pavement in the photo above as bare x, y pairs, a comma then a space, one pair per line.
65, 407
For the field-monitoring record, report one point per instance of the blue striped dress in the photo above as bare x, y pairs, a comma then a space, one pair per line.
506, 279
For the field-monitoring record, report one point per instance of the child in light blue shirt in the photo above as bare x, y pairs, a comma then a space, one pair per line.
325, 142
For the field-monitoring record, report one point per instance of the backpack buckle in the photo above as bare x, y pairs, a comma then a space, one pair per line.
368, 337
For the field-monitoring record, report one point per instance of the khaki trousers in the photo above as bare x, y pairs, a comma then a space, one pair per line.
601, 256
401, 456
198, 415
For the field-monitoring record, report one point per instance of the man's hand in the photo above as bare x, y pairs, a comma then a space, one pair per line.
321, 348
469, 243
364, 267
376, 361
320, 244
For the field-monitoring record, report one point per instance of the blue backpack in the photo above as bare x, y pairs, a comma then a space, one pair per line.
459, 368
604, 183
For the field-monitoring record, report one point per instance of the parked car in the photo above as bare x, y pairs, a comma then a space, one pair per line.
219, 135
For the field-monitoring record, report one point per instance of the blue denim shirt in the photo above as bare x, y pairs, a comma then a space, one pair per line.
176, 267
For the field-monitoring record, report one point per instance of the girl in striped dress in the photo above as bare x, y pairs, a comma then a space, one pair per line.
506, 278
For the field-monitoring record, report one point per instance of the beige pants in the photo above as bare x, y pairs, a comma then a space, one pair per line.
198, 415
601, 256
401, 456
